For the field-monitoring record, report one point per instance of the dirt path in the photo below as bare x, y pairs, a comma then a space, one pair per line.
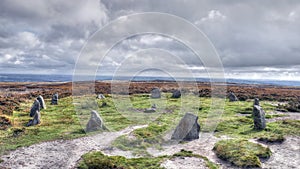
59, 153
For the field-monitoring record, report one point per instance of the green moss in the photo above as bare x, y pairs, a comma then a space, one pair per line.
57, 122
241, 153
97, 160
271, 138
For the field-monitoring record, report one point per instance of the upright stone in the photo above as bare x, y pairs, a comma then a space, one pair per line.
41, 101
54, 100
259, 118
155, 93
95, 122
176, 94
256, 102
187, 129
36, 119
232, 97
35, 107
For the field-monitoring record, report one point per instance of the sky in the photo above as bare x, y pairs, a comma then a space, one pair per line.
254, 39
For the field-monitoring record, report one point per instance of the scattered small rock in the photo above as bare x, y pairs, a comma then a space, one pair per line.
100, 96
151, 110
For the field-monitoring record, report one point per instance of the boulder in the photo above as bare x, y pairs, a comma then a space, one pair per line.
95, 122
176, 94
259, 118
54, 100
42, 102
36, 119
187, 129
34, 108
100, 96
232, 97
155, 93
256, 101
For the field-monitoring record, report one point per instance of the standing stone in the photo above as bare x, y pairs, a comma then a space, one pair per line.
176, 94
187, 129
95, 122
232, 97
54, 100
100, 96
41, 101
34, 108
259, 118
256, 101
155, 93
36, 119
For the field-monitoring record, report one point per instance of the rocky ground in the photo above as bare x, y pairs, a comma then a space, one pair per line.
61, 153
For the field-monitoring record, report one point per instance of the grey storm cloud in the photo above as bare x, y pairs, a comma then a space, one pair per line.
250, 36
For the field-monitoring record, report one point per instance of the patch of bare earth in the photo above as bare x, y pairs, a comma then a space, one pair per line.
60, 153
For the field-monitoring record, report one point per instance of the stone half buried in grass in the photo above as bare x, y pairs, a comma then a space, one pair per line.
187, 129
151, 110
95, 122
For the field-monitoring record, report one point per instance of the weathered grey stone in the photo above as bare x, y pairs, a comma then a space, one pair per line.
232, 97
42, 102
36, 119
259, 118
176, 94
35, 107
100, 96
256, 101
54, 100
95, 122
187, 129
155, 93
151, 110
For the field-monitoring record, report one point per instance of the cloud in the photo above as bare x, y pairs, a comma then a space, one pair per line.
47, 36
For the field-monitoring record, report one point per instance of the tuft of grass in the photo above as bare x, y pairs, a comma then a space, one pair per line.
57, 122
271, 138
241, 153
97, 160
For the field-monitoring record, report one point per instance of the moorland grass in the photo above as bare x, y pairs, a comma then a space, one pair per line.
62, 122
241, 153
97, 160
